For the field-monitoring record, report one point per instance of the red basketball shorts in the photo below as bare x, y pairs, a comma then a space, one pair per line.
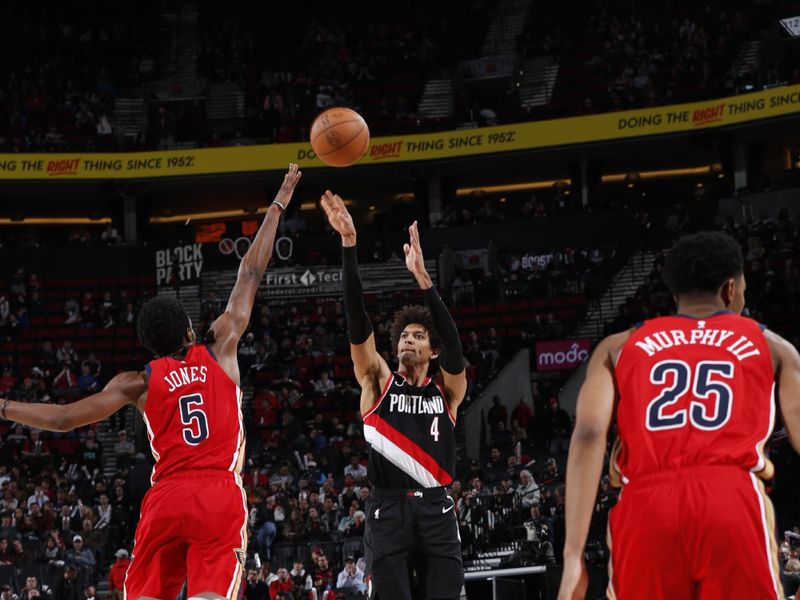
193, 528
699, 533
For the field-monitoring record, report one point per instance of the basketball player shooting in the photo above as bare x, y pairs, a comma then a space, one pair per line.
694, 403
193, 524
408, 421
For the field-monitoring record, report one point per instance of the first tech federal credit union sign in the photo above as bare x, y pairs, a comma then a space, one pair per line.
293, 282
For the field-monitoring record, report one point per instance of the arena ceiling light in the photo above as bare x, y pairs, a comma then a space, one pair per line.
663, 173
610, 178
55, 221
227, 214
511, 187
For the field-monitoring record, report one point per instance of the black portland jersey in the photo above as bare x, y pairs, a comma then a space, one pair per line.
410, 432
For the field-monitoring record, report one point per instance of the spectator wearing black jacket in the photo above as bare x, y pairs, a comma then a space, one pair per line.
559, 427
255, 588
68, 587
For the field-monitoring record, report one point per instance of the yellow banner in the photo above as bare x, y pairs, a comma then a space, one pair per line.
448, 144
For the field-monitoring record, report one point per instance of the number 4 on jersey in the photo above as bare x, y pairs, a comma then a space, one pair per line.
435, 429
676, 376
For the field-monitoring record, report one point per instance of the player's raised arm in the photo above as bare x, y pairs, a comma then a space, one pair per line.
787, 378
451, 357
124, 389
370, 369
231, 324
585, 462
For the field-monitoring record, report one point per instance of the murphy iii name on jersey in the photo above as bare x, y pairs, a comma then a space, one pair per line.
740, 347
416, 404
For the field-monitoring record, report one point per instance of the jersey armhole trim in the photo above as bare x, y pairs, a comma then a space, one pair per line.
380, 398
148, 371
211, 353
446, 404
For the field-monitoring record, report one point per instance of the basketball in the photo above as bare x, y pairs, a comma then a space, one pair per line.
339, 136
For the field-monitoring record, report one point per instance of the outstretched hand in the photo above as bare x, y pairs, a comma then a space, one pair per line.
293, 175
338, 215
415, 262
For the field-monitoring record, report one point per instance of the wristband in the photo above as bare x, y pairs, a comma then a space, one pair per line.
283, 208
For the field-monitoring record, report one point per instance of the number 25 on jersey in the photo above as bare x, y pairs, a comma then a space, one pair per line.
712, 401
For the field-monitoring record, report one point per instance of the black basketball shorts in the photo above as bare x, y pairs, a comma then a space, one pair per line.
416, 529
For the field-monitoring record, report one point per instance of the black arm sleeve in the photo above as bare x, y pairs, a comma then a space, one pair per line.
358, 324
451, 358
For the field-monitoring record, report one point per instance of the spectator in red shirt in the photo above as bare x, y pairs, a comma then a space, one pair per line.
324, 574
116, 576
65, 383
7, 381
265, 409
522, 414
283, 583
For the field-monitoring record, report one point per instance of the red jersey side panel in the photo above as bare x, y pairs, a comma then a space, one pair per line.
193, 415
694, 393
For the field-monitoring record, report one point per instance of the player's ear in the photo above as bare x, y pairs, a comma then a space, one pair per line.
190, 337
728, 291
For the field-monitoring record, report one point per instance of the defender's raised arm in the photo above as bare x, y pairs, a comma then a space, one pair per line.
231, 324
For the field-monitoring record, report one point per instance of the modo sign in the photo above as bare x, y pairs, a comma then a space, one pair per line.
775, 102
563, 354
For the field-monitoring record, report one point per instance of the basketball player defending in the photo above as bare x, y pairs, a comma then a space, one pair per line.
694, 399
408, 421
194, 517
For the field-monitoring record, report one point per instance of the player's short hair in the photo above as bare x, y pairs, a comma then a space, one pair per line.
162, 325
414, 313
700, 263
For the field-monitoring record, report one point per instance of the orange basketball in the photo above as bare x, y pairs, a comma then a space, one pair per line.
339, 136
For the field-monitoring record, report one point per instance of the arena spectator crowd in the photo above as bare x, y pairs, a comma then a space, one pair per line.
59, 93
65, 521
375, 59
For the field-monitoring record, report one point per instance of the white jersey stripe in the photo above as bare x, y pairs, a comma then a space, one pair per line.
153, 451
762, 459
399, 458
237, 574
767, 534
240, 435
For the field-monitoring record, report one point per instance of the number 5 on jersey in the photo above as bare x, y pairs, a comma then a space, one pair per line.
194, 419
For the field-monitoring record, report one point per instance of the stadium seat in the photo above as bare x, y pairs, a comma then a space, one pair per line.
30, 570
353, 546
283, 553
8, 575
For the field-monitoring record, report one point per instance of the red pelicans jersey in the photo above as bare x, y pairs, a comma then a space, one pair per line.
193, 415
694, 392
